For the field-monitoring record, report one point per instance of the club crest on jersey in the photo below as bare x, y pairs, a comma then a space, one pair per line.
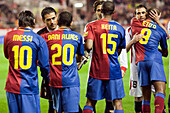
85, 34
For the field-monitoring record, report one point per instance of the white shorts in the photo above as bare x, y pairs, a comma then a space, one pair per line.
135, 89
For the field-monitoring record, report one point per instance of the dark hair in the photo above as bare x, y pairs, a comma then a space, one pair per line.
153, 9
26, 18
108, 7
47, 10
140, 6
96, 3
65, 19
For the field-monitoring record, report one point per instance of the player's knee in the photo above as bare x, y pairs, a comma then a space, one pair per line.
118, 104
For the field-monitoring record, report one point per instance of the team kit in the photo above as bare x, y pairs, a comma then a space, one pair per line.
60, 52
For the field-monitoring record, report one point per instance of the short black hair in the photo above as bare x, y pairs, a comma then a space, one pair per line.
96, 3
153, 9
140, 6
26, 18
65, 18
47, 10
108, 7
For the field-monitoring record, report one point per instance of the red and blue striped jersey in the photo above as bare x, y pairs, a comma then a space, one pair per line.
147, 47
63, 45
107, 36
23, 48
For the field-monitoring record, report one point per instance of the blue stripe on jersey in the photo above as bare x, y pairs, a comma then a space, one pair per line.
70, 75
114, 66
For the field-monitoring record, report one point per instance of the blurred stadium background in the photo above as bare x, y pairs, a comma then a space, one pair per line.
82, 11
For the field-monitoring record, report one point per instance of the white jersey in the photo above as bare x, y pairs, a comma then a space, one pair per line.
135, 89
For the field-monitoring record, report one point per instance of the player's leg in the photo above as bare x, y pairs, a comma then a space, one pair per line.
144, 68
30, 103
154, 93
46, 94
90, 105
158, 78
109, 107
12, 101
135, 89
70, 99
95, 91
159, 96
115, 92
138, 104
146, 90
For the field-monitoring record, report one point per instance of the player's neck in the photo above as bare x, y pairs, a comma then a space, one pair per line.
107, 17
64, 26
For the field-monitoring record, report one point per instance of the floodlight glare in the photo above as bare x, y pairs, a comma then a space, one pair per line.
78, 5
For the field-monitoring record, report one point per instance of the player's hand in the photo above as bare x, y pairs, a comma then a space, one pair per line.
123, 73
137, 37
84, 61
154, 15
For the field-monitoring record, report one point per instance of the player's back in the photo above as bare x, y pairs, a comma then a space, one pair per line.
21, 47
63, 44
107, 36
147, 47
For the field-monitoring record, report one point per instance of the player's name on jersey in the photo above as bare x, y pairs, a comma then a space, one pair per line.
22, 38
148, 24
108, 27
64, 36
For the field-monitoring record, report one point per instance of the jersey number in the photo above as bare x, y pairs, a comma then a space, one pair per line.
19, 57
146, 35
109, 41
65, 54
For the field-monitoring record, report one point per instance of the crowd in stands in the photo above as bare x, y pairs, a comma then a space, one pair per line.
123, 14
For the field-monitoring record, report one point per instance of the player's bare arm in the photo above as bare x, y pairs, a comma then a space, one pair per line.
164, 52
89, 45
156, 17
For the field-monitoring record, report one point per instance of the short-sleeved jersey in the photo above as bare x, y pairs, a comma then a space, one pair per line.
23, 48
63, 45
147, 47
107, 36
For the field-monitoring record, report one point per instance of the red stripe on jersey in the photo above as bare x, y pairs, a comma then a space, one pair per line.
14, 75
55, 69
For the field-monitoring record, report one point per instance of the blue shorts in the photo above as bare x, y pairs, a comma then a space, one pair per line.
23, 103
149, 71
66, 99
108, 89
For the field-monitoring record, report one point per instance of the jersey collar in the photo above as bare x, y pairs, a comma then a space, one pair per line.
64, 29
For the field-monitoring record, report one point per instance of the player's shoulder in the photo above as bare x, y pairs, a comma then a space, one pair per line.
42, 31
89, 23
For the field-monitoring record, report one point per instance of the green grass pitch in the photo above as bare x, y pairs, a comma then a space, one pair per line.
128, 101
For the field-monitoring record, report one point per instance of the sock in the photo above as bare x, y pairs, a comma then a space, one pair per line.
87, 109
169, 104
118, 111
146, 106
138, 106
50, 110
80, 110
159, 102
109, 107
